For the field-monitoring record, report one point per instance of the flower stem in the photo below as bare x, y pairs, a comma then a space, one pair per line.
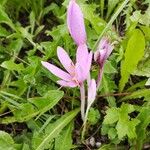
99, 79
82, 92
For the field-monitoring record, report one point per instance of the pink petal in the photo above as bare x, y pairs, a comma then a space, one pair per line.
80, 74
82, 54
67, 84
103, 52
89, 62
56, 71
75, 23
91, 92
65, 60
83, 64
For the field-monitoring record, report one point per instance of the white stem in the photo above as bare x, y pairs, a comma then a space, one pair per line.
100, 74
82, 92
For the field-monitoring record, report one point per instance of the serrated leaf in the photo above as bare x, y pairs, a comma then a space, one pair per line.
137, 94
10, 65
93, 116
6, 141
112, 116
133, 54
64, 140
125, 125
128, 128
54, 129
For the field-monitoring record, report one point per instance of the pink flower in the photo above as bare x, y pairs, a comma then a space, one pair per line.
91, 92
75, 23
103, 52
74, 74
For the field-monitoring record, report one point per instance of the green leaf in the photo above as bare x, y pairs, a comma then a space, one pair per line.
111, 6
16, 46
137, 94
109, 68
125, 125
144, 117
133, 54
54, 129
6, 141
10, 65
93, 116
3, 32
108, 86
64, 140
5, 19
112, 116
25, 112
128, 128
97, 23
48, 101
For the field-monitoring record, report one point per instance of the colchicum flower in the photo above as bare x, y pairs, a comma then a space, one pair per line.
101, 55
103, 51
75, 23
75, 73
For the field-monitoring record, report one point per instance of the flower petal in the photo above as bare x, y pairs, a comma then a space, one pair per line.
65, 60
75, 23
82, 54
91, 92
67, 84
56, 71
89, 62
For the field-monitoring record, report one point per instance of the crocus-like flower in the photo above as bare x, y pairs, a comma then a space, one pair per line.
101, 55
75, 74
75, 23
103, 51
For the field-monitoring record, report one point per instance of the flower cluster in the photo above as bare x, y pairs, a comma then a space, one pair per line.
77, 73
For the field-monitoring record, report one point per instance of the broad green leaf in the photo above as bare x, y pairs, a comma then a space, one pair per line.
137, 94
133, 54
53, 130
6, 141
64, 140
128, 128
112, 116
125, 125
12, 66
